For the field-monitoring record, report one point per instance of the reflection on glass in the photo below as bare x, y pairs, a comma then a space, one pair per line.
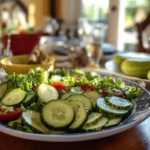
94, 54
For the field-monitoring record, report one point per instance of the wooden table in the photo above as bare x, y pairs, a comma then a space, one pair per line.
137, 138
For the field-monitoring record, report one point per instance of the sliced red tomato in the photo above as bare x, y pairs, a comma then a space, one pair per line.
105, 92
9, 116
118, 93
61, 87
86, 87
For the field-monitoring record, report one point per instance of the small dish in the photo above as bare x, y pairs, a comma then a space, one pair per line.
18, 64
114, 69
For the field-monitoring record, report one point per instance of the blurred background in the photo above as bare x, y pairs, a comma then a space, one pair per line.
114, 25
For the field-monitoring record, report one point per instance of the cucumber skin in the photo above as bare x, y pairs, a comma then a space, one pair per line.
39, 132
111, 115
35, 131
92, 100
92, 123
30, 101
89, 111
106, 127
71, 93
17, 103
9, 87
39, 97
135, 68
78, 129
93, 130
108, 114
5, 90
32, 128
116, 107
57, 129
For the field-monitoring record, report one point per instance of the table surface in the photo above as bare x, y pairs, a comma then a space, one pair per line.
136, 138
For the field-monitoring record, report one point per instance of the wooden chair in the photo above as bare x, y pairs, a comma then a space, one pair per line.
140, 29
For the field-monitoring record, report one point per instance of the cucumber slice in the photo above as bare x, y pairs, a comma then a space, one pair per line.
3, 89
113, 121
93, 118
8, 90
76, 90
118, 102
14, 97
66, 95
98, 126
47, 92
93, 95
81, 114
29, 99
57, 114
83, 99
32, 119
108, 110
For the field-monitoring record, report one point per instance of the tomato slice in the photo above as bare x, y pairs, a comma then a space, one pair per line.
61, 87
9, 116
86, 87
105, 92
118, 93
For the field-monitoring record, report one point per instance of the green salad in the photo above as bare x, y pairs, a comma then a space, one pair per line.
64, 101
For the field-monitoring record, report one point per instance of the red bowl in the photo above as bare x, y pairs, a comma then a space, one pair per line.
22, 43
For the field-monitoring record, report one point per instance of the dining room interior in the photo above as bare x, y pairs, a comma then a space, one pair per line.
56, 52
73, 29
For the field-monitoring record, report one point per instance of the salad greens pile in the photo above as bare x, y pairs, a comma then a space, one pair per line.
75, 77
71, 78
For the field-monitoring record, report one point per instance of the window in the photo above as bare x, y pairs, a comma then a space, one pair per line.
133, 11
136, 11
96, 13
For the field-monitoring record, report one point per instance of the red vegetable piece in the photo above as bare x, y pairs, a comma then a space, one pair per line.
61, 87
9, 116
86, 87
105, 92
119, 94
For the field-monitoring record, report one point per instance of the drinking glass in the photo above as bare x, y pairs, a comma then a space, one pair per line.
93, 49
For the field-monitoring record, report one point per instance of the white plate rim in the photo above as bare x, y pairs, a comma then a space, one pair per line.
70, 137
